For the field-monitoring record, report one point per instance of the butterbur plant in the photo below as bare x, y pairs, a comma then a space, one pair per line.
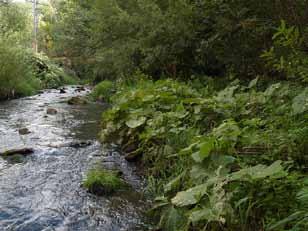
216, 162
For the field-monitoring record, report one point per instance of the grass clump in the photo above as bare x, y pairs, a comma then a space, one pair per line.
101, 181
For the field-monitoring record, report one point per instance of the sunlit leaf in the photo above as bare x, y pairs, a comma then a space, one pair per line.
190, 196
253, 83
136, 122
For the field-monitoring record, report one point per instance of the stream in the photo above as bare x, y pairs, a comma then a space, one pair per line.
42, 191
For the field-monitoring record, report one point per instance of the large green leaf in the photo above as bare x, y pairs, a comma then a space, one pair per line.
172, 220
228, 131
260, 172
203, 214
226, 95
205, 149
189, 149
271, 89
190, 196
253, 83
300, 103
135, 122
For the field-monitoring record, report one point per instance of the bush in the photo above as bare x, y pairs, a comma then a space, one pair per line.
100, 181
16, 75
103, 91
286, 57
49, 73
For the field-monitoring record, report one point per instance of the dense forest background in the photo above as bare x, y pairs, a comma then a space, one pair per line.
182, 38
209, 97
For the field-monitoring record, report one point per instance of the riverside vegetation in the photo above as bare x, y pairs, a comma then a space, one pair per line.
22, 72
226, 152
210, 98
225, 158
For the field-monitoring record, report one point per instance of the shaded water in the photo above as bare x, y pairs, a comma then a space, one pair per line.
42, 192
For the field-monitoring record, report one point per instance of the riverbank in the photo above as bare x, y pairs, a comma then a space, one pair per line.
28, 73
229, 157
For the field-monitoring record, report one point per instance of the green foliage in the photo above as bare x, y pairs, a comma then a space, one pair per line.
109, 39
49, 73
299, 216
21, 71
286, 55
15, 159
156, 104
16, 75
100, 181
103, 91
222, 155
223, 159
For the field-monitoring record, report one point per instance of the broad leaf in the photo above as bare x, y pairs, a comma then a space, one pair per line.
253, 83
300, 103
135, 122
271, 89
190, 196
172, 220
204, 214
260, 172
205, 149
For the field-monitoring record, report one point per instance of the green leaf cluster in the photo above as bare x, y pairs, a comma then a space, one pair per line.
231, 158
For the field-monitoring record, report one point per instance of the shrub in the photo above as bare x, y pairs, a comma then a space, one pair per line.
16, 75
286, 57
49, 73
103, 91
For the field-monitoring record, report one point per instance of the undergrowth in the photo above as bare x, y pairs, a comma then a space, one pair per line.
50, 74
103, 91
22, 71
217, 159
16, 75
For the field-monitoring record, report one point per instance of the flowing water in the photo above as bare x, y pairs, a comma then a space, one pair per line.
43, 191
